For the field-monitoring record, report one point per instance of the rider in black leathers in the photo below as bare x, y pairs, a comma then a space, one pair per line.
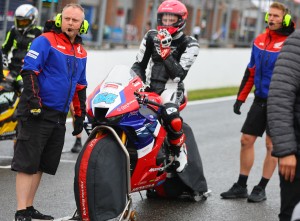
170, 54
19, 38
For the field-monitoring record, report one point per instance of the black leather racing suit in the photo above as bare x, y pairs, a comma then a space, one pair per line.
184, 52
19, 42
175, 67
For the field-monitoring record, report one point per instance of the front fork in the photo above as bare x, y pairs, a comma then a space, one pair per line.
128, 213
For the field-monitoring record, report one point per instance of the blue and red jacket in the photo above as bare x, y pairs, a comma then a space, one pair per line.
265, 49
60, 69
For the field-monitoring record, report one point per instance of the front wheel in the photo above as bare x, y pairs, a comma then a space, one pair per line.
100, 179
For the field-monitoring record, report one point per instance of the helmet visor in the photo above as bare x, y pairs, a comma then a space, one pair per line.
23, 22
167, 19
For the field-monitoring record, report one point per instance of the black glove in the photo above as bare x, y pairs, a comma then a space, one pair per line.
78, 125
237, 106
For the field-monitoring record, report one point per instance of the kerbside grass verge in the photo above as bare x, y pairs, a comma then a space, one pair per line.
211, 93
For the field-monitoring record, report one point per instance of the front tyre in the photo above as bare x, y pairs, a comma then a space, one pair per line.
100, 179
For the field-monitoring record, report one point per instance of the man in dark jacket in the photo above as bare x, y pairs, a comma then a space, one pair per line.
265, 50
284, 123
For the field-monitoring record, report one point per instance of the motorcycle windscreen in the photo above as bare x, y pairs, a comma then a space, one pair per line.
116, 92
100, 180
193, 175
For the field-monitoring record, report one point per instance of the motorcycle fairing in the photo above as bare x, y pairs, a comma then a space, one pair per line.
146, 128
89, 109
116, 92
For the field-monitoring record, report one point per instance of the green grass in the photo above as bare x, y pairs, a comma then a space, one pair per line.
211, 93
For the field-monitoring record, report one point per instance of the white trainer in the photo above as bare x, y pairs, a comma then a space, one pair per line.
181, 158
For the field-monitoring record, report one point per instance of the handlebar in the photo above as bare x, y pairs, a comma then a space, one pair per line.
143, 99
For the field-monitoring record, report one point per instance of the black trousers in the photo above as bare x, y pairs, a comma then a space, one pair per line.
289, 194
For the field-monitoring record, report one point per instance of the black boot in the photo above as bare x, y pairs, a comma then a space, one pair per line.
77, 146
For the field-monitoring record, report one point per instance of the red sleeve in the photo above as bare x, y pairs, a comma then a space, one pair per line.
246, 84
79, 100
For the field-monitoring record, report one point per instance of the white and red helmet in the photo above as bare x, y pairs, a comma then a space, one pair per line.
172, 7
25, 16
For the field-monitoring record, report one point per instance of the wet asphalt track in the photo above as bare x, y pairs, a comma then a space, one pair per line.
216, 129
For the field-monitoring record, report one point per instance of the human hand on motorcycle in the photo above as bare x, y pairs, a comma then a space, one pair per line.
165, 42
144, 88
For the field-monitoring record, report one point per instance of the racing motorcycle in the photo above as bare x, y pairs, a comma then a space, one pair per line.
127, 151
9, 100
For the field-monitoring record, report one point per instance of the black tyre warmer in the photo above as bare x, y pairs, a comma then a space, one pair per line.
193, 175
100, 185
192, 178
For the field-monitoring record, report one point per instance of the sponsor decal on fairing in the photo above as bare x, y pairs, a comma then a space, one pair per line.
107, 98
142, 187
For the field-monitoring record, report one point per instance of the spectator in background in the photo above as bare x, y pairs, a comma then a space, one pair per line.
284, 123
265, 50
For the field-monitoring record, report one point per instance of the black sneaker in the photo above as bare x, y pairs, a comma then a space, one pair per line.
22, 216
236, 191
77, 146
37, 216
258, 194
